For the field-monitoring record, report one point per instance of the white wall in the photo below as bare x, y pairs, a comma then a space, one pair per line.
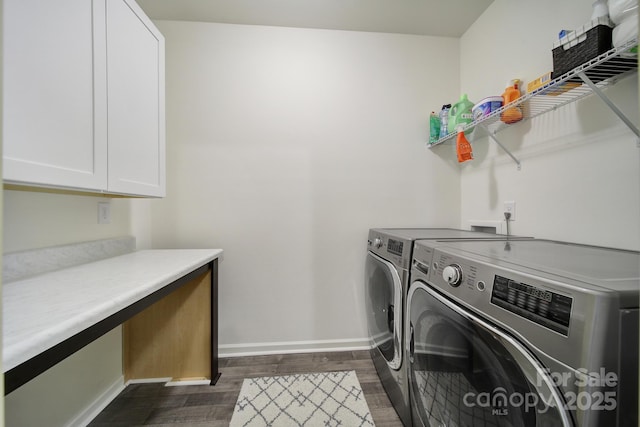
61, 394
580, 177
38, 219
68, 392
284, 147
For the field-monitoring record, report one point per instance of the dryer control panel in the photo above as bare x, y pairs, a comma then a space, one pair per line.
395, 247
395, 250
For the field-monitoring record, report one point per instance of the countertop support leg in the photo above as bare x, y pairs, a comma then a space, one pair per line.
215, 372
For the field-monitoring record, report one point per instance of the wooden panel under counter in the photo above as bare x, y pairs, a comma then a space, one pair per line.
171, 338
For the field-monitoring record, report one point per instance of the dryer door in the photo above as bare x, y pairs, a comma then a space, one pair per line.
464, 371
383, 295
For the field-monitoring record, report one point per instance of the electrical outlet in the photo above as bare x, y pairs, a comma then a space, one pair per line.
511, 208
104, 213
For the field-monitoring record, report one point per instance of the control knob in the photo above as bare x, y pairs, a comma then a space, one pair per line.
377, 243
452, 274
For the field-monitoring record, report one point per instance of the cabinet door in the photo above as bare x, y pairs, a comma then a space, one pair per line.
135, 76
53, 133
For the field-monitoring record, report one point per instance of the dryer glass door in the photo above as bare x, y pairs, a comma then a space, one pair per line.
466, 372
383, 295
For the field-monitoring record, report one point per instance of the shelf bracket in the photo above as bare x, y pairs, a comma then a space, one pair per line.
492, 135
610, 104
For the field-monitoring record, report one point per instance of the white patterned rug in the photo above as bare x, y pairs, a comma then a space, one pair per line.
322, 399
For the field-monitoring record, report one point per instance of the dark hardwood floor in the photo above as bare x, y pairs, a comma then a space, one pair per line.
203, 405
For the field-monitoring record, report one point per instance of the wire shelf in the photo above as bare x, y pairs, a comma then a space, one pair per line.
599, 73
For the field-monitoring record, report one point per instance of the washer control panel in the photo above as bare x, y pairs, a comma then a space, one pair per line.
487, 288
455, 273
452, 274
538, 305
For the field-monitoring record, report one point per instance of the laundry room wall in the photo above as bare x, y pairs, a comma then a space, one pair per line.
580, 176
33, 219
285, 146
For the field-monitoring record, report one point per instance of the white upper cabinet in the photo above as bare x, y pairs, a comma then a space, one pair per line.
83, 98
53, 135
135, 81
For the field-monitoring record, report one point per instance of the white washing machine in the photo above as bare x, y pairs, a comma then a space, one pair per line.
387, 275
523, 333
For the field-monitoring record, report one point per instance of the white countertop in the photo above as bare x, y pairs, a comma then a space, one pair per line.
42, 311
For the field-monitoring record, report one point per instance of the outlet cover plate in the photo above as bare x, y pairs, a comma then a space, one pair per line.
510, 207
104, 213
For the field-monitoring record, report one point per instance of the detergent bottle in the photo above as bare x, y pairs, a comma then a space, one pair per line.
510, 94
444, 117
460, 114
434, 127
463, 147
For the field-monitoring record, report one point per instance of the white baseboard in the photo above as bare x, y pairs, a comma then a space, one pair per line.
91, 411
260, 349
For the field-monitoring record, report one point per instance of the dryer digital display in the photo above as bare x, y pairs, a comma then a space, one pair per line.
544, 307
395, 247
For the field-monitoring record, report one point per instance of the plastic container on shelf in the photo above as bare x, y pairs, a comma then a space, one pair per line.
486, 106
510, 94
463, 147
600, 9
444, 119
625, 31
620, 9
460, 114
434, 127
